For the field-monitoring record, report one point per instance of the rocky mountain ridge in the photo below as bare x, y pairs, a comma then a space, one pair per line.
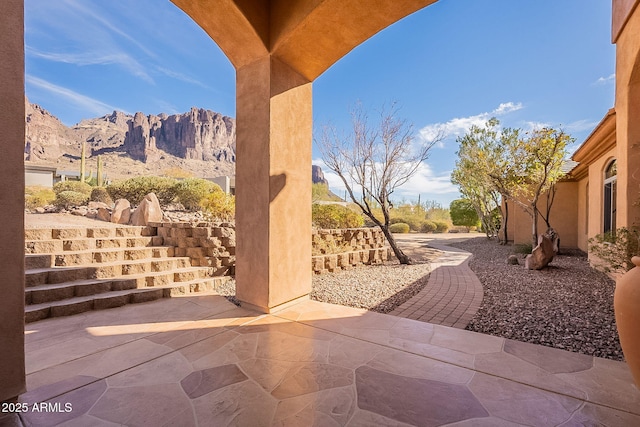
200, 142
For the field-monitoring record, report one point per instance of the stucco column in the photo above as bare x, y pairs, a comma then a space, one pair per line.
12, 372
273, 184
626, 33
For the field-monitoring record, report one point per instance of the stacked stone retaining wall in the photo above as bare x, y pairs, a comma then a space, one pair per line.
206, 245
336, 249
214, 246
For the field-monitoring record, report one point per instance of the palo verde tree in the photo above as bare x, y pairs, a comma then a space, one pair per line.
540, 155
373, 161
484, 173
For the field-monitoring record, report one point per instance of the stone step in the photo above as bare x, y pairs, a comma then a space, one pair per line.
52, 275
92, 232
88, 243
33, 261
113, 299
77, 288
93, 256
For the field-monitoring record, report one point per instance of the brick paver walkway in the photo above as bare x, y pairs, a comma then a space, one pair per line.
452, 295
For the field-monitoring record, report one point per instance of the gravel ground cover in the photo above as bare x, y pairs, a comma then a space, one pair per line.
379, 288
568, 305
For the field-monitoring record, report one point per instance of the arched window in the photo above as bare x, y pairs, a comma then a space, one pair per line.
610, 198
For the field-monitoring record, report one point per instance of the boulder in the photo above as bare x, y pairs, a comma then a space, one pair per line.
103, 214
513, 260
147, 211
541, 255
121, 212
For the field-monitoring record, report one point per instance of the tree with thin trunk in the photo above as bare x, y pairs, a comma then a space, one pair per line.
485, 173
373, 161
543, 153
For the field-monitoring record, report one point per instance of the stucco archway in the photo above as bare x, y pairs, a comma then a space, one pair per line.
278, 48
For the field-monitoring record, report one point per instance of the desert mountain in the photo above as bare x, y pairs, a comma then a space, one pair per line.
200, 142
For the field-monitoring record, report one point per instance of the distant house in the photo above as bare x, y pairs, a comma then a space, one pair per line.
227, 183
67, 176
41, 175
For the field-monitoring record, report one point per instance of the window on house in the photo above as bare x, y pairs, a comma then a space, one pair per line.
610, 197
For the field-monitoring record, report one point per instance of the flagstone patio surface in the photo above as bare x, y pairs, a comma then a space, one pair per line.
202, 361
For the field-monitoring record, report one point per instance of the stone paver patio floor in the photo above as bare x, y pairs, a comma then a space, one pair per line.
200, 360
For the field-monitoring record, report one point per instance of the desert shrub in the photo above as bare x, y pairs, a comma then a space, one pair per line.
613, 250
68, 199
399, 227
219, 206
441, 226
428, 227
335, 216
77, 186
191, 191
463, 213
37, 197
134, 189
100, 194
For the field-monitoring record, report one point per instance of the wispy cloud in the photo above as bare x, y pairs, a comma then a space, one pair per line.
533, 125
84, 102
605, 80
425, 182
580, 125
95, 58
106, 23
182, 77
461, 125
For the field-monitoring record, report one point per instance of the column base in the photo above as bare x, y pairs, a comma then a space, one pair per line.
275, 309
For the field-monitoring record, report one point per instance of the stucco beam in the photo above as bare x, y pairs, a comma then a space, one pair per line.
240, 28
311, 35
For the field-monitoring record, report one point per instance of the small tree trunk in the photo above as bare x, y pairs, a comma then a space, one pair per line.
534, 227
402, 257
505, 218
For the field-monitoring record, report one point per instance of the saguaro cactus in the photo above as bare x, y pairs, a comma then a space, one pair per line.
100, 177
83, 161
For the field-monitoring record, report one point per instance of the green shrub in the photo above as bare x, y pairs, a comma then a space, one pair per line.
463, 213
219, 206
67, 199
100, 194
191, 191
441, 226
134, 189
77, 186
613, 250
38, 197
401, 215
399, 227
335, 216
428, 227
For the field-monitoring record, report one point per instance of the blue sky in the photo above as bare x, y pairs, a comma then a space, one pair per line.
453, 64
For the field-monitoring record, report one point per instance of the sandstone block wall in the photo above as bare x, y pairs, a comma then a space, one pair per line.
205, 245
215, 246
342, 249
